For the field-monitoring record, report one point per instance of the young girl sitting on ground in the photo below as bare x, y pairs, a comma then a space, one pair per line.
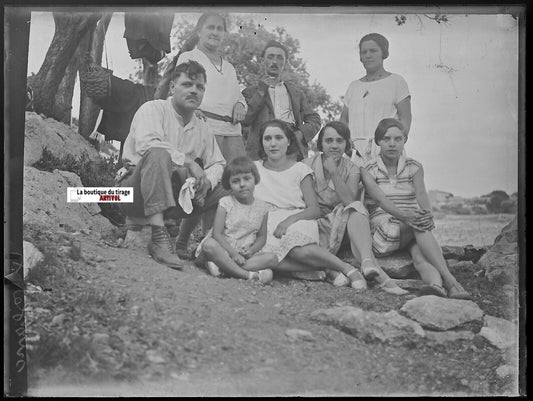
409, 223
239, 229
292, 229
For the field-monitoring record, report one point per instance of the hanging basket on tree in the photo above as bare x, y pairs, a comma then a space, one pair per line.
95, 80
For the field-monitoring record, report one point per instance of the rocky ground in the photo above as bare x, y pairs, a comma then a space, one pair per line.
103, 319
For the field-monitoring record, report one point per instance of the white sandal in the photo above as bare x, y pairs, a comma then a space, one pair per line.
395, 290
213, 269
339, 280
357, 281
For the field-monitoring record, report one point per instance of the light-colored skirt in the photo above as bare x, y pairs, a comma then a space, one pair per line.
237, 244
303, 232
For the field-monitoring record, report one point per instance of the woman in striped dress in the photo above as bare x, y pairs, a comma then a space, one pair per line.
409, 224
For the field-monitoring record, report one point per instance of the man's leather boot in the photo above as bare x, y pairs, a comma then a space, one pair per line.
161, 250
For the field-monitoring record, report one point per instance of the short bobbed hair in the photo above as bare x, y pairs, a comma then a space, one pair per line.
384, 125
239, 165
292, 148
342, 129
190, 68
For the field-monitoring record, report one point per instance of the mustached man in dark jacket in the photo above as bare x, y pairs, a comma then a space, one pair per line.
273, 99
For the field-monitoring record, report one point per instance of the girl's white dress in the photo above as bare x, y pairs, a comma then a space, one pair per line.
281, 190
242, 222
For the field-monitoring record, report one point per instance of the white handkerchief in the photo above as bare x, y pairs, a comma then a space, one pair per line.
186, 195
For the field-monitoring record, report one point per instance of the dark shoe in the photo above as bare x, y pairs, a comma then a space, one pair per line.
161, 254
183, 253
433, 289
161, 250
458, 292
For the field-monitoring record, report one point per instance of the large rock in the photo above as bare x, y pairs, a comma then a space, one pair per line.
501, 333
388, 327
453, 252
398, 265
443, 337
501, 260
59, 138
436, 313
32, 256
45, 203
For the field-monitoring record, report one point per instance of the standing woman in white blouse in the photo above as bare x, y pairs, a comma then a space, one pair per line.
223, 104
379, 94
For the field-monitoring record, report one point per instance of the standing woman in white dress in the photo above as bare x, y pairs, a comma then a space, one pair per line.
223, 104
379, 94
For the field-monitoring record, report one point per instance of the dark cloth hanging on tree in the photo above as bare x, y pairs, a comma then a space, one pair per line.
148, 35
120, 106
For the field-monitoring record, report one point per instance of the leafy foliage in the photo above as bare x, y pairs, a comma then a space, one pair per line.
242, 46
92, 174
437, 17
499, 201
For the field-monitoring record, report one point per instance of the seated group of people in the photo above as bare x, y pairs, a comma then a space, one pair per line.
265, 206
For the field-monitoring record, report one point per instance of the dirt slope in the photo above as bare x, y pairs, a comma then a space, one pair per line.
117, 323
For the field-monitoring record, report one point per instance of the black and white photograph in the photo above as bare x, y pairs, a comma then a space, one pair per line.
288, 201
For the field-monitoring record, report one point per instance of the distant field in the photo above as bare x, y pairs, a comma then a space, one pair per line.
477, 230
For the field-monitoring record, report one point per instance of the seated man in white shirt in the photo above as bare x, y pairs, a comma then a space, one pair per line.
167, 143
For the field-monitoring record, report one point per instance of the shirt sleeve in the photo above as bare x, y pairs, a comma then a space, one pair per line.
148, 131
305, 170
402, 90
226, 203
414, 166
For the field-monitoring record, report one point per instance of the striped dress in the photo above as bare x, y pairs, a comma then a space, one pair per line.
385, 228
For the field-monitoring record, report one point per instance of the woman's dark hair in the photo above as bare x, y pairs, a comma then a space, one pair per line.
193, 38
342, 129
293, 147
384, 125
380, 40
239, 165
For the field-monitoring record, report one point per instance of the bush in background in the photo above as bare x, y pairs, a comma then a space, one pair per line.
92, 174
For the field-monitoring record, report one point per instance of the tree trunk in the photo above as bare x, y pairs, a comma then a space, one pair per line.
150, 73
161, 91
65, 92
70, 28
94, 45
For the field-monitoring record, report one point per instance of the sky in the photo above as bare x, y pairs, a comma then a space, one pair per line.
462, 76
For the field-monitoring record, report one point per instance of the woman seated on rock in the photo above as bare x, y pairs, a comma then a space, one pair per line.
336, 185
287, 187
408, 225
